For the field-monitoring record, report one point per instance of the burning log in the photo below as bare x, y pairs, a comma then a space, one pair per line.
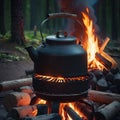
104, 44
16, 99
104, 55
13, 84
84, 109
23, 111
110, 59
52, 116
107, 64
72, 113
108, 112
103, 97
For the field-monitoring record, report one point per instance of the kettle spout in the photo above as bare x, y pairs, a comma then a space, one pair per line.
32, 53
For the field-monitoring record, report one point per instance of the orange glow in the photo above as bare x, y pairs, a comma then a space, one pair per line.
60, 79
92, 42
40, 101
34, 113
73, 106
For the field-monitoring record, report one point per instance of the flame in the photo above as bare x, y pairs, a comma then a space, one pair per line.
34, 113
73, 106
92, 42
40, 101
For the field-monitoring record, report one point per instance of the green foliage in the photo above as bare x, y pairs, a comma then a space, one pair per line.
8, 57
6, 36
33, 40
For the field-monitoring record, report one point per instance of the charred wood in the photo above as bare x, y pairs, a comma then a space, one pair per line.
109, 76
114, 70
84, 109
14, 99
23, 111
98, 74
102, 85
72, 113
42, 109
107, 64
117, 79
108, 112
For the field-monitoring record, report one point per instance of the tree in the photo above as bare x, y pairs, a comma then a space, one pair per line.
115, 19
2, 24
17, 22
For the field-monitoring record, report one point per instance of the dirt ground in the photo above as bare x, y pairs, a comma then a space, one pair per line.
11, 70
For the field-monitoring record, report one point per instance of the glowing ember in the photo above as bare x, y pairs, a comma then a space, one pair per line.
41, 101
34, 113
92, 42
60, 79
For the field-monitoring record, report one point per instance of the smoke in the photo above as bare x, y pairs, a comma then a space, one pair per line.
76, 7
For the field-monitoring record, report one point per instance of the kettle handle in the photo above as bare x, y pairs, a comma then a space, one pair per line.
59, 15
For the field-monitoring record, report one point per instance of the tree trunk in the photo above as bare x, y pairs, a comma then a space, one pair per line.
17, 22
114, 21
2, 24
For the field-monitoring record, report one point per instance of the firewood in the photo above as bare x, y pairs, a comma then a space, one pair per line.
114, 70
101, 85
104, 44
110, 59
72, 113
103, 60
98, 74
117, 79
13, 84
109, 76
23, 111
36, 100
103, 97
14, 99
93, 81
108, 112
52, 116
84, 109
26, 89
114, 89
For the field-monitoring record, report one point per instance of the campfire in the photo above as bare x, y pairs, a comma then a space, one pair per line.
66, 96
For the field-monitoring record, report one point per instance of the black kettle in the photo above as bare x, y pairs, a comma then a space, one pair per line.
59, 55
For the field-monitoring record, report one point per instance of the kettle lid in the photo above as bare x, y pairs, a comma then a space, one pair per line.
60, 38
